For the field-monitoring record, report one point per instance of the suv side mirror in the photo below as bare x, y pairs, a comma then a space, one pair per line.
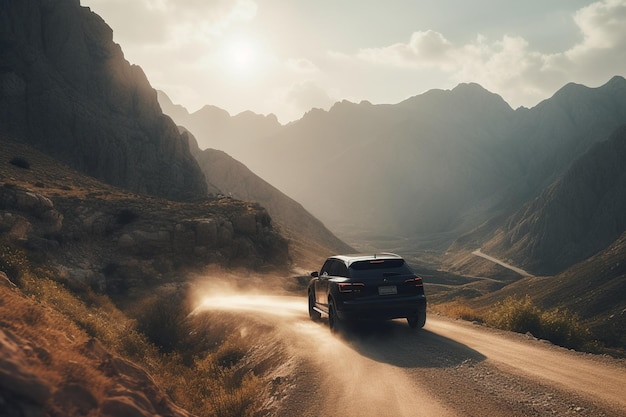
315, 274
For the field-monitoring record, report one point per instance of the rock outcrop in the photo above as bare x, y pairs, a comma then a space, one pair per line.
114, 241
57, 372
66, 88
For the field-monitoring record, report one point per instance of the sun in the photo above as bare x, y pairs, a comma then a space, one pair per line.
242, 57
242, 54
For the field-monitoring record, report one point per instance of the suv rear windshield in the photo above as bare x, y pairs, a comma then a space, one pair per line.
377, 268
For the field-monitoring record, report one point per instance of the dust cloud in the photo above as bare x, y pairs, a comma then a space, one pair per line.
338, 380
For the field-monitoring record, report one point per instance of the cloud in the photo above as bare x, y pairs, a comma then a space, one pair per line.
171, 21
508, 65
424, 49
603, 26
301, 65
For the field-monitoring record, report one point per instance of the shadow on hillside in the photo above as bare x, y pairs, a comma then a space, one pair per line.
393, 342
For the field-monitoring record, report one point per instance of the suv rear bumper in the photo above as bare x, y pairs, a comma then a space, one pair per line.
382, 308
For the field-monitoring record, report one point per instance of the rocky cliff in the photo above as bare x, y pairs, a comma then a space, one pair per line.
66, 88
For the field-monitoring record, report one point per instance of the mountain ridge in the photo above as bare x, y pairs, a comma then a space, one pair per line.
491, 158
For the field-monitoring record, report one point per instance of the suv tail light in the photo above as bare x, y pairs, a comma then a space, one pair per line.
347, 287
415, 281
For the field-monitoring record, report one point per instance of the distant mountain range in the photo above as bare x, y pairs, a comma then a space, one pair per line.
422, 173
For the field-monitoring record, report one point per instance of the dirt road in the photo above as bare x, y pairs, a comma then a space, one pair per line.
449, 368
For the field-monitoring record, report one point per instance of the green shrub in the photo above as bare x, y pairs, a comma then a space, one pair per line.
558, 325
563, 328
517, 315
457, 310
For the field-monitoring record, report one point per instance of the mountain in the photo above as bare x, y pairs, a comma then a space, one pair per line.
66, 88
421, 173
220, 130
310, 242
574, 218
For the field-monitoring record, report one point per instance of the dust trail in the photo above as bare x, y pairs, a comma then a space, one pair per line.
346, 382
283, 306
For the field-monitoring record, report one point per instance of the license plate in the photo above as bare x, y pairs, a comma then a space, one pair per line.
388, 290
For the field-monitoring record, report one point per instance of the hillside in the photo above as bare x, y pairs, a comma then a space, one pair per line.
113, 240
593, 289
579, 215
97, 285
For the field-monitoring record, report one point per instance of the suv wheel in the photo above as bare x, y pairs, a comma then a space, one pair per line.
313, 314
417, 322
333, 319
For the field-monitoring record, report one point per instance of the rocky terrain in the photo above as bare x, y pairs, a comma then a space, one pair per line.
114, 240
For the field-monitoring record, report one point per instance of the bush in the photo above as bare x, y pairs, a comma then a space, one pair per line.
457, 310
563, 328
517, 315
163, 319
559, 326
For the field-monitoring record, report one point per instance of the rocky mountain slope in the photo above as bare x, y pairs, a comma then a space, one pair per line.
66, 88
579, 215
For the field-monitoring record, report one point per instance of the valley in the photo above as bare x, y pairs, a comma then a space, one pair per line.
154, 261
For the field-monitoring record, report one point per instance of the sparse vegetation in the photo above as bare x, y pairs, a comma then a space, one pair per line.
521, 315
207, 382
516, 315
457, 310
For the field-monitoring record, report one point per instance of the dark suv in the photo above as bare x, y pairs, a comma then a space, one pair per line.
367, 287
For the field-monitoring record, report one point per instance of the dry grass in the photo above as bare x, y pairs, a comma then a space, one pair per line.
207, 380
521, 315
457, 310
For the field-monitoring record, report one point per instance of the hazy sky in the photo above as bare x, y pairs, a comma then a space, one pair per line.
286, 57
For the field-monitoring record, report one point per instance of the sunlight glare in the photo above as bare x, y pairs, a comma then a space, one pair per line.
277, 305
243, 57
